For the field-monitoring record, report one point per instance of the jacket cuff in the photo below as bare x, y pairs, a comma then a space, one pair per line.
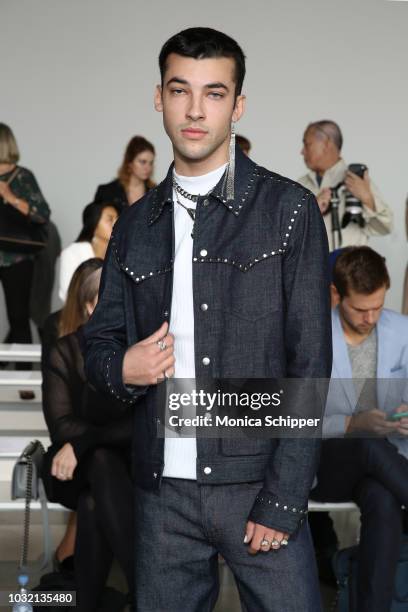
112, 370
334, 426
282, 515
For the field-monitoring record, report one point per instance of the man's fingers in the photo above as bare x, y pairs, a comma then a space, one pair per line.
159, 334
258, 536
165, 365
249, 532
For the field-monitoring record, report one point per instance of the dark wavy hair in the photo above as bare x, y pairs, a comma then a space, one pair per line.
205, 43
91, 216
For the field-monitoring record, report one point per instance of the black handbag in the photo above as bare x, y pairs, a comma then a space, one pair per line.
26, 484
18, 233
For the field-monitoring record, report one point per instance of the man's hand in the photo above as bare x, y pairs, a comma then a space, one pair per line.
145, 362
323, 199
373, 421
64, 463
360, 188
402, 428
261, 538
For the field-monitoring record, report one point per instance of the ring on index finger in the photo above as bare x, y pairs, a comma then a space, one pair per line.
162, 345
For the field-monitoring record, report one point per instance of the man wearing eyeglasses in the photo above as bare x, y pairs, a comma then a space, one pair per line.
322, 144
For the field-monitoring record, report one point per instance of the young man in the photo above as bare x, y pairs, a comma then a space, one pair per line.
367, 458
220, 271
322, 144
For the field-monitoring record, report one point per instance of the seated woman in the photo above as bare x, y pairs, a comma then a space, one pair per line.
134, 176
98, 219
87, 467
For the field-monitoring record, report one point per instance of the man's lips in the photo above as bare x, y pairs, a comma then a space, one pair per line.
193, 133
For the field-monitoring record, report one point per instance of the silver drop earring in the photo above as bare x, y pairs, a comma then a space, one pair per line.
231, 166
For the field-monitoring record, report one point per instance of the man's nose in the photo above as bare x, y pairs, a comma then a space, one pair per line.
370, 317
195, 111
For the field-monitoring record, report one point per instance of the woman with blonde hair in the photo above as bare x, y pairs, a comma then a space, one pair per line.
87, 467
134, 176
21, 204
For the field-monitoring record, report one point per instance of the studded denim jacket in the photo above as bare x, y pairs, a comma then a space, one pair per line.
261, 309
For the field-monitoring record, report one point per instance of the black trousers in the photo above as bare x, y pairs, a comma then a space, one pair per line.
374, 475
102, 494
16, 280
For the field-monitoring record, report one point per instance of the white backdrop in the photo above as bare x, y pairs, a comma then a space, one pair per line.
77, 80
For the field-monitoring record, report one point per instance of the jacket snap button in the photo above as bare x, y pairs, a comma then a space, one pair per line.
203, 253
207, 470
206, 202
204, 307
206, 361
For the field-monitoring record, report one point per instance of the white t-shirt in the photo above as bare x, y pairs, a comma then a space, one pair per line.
71, 258
180, 454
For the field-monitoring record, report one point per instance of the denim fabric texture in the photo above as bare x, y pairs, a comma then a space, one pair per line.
180, 530
260, 264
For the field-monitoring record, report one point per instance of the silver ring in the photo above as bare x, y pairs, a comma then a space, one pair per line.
265, 542
284, 542
162, 345
275, 544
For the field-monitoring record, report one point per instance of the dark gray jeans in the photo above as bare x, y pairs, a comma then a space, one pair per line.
181, 529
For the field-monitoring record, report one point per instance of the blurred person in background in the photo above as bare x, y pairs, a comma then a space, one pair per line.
86, 468
322, 144
20, 192
98, 219
134, 176
243, 143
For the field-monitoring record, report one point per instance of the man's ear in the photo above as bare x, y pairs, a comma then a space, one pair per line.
239, 108
158, 99
335, 296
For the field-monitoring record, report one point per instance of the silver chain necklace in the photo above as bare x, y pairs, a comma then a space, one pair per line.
192, 197
189, 196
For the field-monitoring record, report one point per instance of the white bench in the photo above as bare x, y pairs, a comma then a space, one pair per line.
20, 378
315, 506
20, 352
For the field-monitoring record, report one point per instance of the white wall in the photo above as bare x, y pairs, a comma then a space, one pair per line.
77, 79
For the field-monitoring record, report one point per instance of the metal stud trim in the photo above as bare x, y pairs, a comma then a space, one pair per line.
108, 378
263, 499
240, 266
138, 278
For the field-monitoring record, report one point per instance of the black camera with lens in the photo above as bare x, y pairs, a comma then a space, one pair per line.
353, 212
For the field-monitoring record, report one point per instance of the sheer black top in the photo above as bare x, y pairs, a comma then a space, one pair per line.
74, 411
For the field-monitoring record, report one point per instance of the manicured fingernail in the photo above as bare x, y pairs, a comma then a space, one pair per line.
246, 539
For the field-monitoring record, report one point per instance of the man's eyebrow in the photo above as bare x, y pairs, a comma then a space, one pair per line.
177, 80
181, 81
217, 85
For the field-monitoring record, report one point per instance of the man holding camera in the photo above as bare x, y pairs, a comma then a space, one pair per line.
352, 207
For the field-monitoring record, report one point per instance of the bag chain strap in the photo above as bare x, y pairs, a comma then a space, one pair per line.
26, 535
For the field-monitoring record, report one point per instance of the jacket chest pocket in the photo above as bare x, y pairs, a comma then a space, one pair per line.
249, 294
148, 290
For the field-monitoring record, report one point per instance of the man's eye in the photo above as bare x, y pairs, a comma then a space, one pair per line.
177, 91
215, 95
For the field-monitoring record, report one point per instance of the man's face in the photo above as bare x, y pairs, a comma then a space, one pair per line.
314, 150
360, 313
198, 104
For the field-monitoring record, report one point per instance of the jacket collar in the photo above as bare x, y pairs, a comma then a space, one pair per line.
331, 177
246, 172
